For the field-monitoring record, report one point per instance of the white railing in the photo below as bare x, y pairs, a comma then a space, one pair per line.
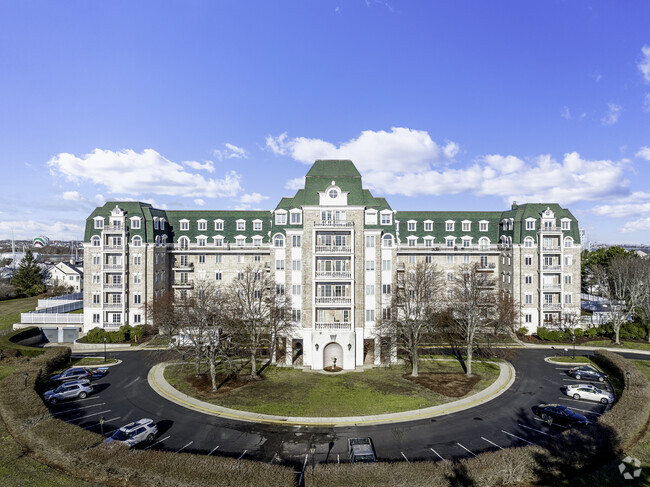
113, 286
333, 325
445, 248
183, 267
112, 326
54, 301
487, 267
334, 300
553, 248
552, 287
113, 305
43, 318
182, 284
113, 267
334, 249
333, 275
552, 306
113, 247
114, 228
333, 224
551, 267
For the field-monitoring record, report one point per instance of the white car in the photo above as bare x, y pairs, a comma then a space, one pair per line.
136, 432
589, 392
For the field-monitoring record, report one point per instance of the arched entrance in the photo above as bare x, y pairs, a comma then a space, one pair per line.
330, 352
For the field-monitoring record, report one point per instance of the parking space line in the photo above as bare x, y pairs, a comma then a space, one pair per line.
407, 460
88, 398
515, 436
439, 456
87, 416
585, 411
185, 447
533, 429
466, 449
213, 450
304, 465
491, 443
77, 409
159, 441
240, 456
338, 458
98, 424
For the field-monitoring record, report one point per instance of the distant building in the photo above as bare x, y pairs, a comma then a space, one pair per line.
336, 248
65, 274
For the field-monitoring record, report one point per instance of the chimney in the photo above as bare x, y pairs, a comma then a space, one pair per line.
514, 205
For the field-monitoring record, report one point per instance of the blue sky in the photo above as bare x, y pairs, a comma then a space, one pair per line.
452, 105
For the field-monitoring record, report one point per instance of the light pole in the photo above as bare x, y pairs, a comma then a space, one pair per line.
104, 349
312, 450
573, 339
627, 376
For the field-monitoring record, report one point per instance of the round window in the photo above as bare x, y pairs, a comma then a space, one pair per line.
333, 193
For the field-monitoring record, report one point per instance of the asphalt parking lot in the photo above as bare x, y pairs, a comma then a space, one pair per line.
124, 395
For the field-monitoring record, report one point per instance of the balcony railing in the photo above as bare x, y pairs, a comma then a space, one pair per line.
551, 267
333, 275
114, 228
455, 248
183, 284
487, 267
550, 229
334, 300
552, 306
332, 326
112, 326
552, 248
114, 267
113, 305
333, 249
188, 267
113, 286
114, 247
333, 224
552, 287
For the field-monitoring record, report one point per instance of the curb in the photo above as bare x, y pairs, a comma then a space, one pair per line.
505, 380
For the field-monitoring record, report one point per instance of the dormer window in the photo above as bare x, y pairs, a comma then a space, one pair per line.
135, 223
428, 226
185, 225
483, 226
411, 225
218, 225
281, 218
386, 218
467, 226
202, 225
296, 217
241, 225
333, 193
566, 224
155, 223
99, 222
449, 225
530, 224
257, 225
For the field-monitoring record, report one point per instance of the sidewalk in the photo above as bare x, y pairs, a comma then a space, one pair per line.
499, 386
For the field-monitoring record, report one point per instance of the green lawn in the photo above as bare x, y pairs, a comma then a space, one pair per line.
624, 344
291, 392
85, 361
570, 360
5, 370
10, 310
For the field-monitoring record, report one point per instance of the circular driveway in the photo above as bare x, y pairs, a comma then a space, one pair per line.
124, 395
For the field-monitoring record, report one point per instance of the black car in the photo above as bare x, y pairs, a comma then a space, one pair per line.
585, 372
561, 415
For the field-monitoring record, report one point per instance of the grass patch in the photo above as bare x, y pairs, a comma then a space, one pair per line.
570, 360
643, 366
84, 361
11, 308
76, 311
5, 370
624, 344
291, 392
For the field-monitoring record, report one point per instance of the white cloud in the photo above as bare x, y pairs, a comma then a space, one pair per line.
135, 173
408, 162
644, 64
199, 202
253, 198
612, 115
644, 153
205, 166
566, 113
231, 152
72, 196
401, 149
635, 204
637, 225
28, 229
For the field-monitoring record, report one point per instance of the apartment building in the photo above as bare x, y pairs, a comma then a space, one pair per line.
335, 249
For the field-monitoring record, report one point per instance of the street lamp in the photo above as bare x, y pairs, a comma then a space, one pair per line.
573, 339
25, 375
104, 349
312, 450
627, 376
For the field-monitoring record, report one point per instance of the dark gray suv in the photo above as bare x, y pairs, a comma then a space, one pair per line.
68, 390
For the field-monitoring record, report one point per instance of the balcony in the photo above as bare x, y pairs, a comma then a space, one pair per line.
454, 248
185, 267
114, 247
333, 224
183, 285
333, 249
333, 275
113, 306
551, 267
486, 267
112, 286
114, 228
112, 326
332, 326
334, 300
552, 248
555, 306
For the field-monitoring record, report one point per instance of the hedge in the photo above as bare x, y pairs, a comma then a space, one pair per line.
544, 464
9, 340
83, 454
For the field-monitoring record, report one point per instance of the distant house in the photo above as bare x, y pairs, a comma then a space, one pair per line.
64, 274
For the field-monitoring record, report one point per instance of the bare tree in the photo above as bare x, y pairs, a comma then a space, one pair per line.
162, 314
416, 303
472, 305
622, 284
643, 305
258, 311
506, 314
568, 322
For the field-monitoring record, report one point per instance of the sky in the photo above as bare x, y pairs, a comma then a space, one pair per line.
442, 105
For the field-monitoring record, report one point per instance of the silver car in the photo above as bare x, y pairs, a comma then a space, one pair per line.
68, 390
589, 392
136, 432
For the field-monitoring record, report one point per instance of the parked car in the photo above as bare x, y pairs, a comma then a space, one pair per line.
136, 432
361, 450
558, 414
589, 392
585, 372
68, 390
78, 373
